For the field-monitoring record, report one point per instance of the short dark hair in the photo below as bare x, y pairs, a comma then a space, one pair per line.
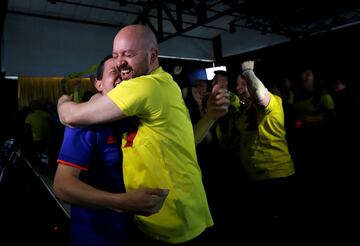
100, 69
221, 72
87, 95
200, 81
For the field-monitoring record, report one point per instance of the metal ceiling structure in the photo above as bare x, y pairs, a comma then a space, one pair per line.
200, 19
297, 18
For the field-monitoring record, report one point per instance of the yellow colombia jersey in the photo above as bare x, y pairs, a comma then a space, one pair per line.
162, 155
307, 112
263, 147
40, 125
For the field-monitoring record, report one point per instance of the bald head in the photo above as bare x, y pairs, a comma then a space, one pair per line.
140, 35
135, 50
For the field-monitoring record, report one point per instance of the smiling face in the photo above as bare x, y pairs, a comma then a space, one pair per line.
241, 89
201, 87
135, 51
307, 78
110, 77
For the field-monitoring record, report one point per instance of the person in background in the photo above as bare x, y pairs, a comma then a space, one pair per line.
284, 89
314, 118
264, 156
195, 100
224, 129
89, 177
38, 128
160, 151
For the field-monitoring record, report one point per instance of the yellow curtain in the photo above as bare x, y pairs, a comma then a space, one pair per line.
50, 89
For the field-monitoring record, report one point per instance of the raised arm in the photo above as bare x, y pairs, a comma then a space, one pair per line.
98, 110
258, 92
217, 106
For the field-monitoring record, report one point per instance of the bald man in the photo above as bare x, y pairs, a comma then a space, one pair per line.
160, 151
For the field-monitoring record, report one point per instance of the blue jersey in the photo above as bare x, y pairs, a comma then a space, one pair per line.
95, 151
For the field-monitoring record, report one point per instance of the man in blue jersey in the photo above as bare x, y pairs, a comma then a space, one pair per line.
89, 177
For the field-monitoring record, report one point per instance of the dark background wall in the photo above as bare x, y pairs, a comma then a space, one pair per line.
8, 106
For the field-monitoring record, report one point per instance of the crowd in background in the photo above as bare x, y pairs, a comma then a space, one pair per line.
320, 122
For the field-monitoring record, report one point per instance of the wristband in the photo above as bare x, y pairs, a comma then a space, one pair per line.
246, 69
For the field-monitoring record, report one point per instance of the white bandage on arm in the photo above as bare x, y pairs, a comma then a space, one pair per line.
256, 88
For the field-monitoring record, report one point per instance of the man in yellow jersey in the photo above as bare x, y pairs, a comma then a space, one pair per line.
160, 151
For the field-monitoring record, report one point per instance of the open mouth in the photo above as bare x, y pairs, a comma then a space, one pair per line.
126, 74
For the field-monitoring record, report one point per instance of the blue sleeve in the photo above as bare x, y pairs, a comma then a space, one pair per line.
77, 147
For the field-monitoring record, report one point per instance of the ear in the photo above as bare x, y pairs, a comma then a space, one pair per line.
98, 85
153, 55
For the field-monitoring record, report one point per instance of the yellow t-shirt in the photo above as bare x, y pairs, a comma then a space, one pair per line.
40, 125
263, 147
308, 113
163, 155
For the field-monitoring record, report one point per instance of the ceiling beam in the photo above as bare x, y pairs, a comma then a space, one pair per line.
87, 22
132, 12
201, 22
276, 26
